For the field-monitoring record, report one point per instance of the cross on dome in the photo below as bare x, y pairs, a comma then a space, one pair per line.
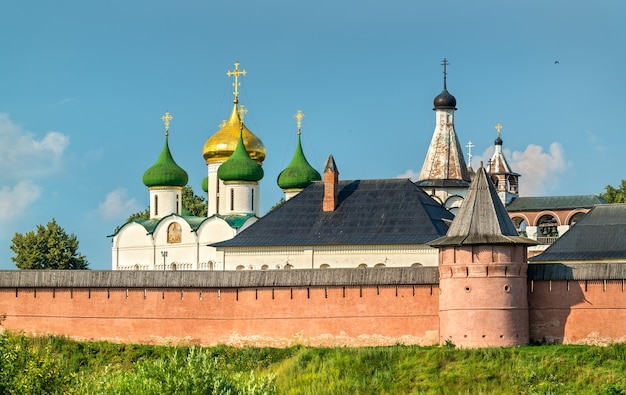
236, 73
444, 63
166, 120
242, 112
299, 117
498, 127
469, 147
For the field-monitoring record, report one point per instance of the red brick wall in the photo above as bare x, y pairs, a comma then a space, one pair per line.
577, 312
354, 316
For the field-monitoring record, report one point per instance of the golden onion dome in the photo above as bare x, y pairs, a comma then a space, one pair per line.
220, 146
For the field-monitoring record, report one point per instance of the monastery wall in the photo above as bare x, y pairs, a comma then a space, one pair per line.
354, 307
576, 304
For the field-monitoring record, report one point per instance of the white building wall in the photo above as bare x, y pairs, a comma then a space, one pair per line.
273, 258
239, 198
165, 201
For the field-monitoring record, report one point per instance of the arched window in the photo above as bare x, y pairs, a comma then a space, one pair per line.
520, 225
264, 267
240, 268
379, 265
417, 264
363, 266
288, 266
325, 266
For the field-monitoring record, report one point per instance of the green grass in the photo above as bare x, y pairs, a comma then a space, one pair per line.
55, 365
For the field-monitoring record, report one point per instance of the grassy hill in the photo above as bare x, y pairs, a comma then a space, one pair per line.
54, 365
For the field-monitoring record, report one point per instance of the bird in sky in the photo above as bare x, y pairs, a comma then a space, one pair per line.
556, 62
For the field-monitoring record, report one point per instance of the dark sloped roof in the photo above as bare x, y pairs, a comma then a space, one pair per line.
600, 234
390, 211
533, 203
482, 218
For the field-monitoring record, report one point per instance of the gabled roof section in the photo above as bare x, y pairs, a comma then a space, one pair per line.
600, 234
482, 218
537, 203
378, 212
234, 221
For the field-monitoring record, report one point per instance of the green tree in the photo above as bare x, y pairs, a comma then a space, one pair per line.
615, 195
48, 248
196, 205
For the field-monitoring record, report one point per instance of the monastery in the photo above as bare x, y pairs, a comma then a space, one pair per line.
456, 256
323, 223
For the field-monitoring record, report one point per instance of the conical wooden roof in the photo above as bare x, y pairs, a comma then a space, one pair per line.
482, 219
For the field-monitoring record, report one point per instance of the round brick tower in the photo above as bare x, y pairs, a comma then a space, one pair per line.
482, 273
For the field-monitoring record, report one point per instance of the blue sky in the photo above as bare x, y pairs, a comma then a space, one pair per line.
83, 86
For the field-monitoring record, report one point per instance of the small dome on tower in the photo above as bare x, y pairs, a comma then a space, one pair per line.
240, 167
205, 184
445, 100
165, 172
299, 174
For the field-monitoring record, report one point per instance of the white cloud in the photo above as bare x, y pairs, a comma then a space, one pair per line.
540, 170
117, 204
412, 174
14, 201
24, 156
596, 143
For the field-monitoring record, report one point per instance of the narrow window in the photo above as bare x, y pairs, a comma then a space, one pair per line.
156, 205
232, 199
252, 201
177, 210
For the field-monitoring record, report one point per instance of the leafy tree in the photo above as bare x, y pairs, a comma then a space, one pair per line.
276, 205
139, 215
195, 204
49, 248
615, 195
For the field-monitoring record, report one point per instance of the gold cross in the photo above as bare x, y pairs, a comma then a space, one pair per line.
499, 127
166, 119
299, 117
242, 112
236, 73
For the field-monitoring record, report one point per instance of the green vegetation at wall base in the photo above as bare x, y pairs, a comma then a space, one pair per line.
55, 365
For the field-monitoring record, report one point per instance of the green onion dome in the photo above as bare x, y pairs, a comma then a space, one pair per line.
205, 184
165, 172
299, 174
240, 167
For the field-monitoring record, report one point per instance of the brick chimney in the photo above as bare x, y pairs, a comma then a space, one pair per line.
331, 189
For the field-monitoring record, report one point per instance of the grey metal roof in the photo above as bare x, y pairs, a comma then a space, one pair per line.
379, 212
576, 271
534, 203
482, 218
217, 279
600, 234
